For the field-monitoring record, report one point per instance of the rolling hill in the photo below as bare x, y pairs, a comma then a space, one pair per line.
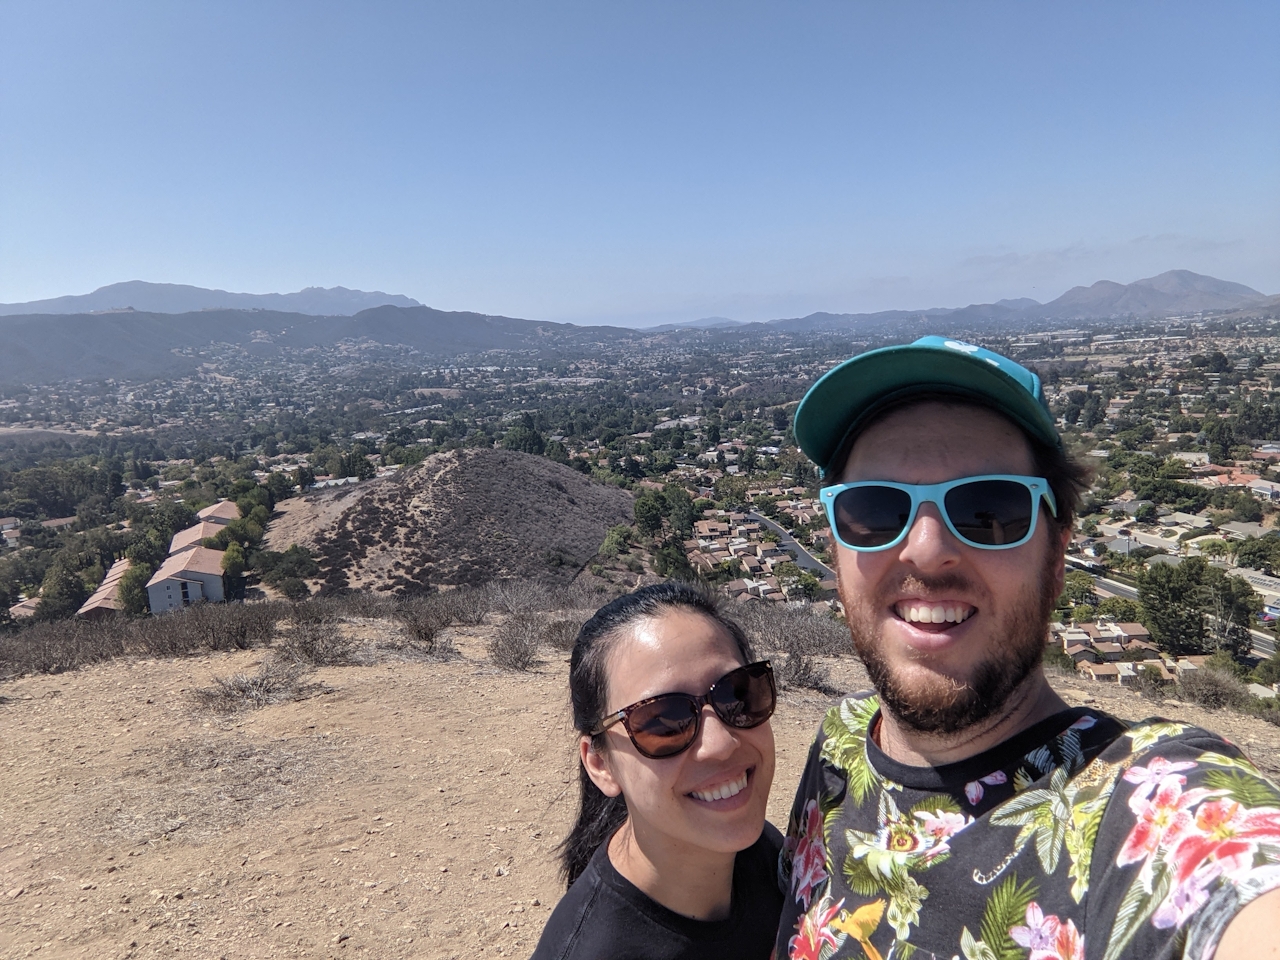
465, 516
182, 298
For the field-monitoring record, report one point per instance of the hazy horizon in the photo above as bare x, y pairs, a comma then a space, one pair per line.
639, 164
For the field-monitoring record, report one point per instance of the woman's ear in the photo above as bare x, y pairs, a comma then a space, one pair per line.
597, 766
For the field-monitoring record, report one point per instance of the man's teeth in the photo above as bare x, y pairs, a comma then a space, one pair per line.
724, 791
935, 613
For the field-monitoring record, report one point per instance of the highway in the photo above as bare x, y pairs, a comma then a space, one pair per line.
1264, 644
804, 559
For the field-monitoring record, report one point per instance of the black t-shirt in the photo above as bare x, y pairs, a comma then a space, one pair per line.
604, 915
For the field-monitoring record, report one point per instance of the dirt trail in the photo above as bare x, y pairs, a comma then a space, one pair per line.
410, 812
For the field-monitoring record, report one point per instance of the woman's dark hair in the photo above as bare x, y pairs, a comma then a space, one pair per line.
599, 815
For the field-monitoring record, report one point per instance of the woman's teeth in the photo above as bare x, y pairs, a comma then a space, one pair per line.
935, 613
722, 792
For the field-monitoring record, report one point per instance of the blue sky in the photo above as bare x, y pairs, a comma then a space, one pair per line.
638, 162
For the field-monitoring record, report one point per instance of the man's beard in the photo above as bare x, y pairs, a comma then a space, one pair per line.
942, 705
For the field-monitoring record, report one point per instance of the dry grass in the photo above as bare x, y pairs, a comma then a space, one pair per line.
273, 683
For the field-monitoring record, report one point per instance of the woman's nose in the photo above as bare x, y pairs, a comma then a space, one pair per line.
717, 737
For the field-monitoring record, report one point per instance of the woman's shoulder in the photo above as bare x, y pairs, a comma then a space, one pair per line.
563, 936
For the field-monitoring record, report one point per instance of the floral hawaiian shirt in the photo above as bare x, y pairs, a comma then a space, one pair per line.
1081, 837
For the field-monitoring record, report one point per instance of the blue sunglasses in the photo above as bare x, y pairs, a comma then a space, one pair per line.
992, 512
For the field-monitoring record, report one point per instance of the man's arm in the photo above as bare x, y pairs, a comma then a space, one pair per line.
1254, 933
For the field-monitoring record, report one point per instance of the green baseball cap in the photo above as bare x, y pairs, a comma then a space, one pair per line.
846, 396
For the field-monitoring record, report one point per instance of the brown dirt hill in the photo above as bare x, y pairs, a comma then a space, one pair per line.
465, 516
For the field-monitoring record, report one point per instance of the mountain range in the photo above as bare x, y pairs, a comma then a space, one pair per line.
1173, 293
39, 347
180, 298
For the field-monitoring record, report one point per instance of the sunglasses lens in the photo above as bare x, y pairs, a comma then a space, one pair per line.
664, 726
871, 516
745, 697
991, 513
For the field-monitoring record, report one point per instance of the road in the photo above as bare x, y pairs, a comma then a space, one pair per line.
804, 559
1264, 644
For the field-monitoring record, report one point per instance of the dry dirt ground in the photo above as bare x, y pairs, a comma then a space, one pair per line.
411, 810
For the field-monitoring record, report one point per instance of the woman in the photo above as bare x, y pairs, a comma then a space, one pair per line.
670, 856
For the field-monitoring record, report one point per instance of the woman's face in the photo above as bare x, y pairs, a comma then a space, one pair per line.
670, 800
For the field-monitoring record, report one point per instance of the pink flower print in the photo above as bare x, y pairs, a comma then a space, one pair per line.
1084, 723
1069, 944
809, 868
1224, 830
1047, 937
1149, 777
973, 790
1162, 820
814, 931
1040, 933
940, 827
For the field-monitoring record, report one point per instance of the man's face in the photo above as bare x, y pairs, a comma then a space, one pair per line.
945, 677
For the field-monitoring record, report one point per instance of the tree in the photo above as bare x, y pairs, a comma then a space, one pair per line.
524, 437
1078, 588
233, 560
280, 486
304, 478
61, 594
680, 511
1194, 607
1120, 610
133, 591
649, 508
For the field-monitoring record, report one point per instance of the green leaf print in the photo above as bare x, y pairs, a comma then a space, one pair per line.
1230, 763
1043, 815
975, 949
845, 746
1243, 788
1006, 909
1146, 735
1140, 901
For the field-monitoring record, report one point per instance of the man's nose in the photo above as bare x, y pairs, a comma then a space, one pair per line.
929, 544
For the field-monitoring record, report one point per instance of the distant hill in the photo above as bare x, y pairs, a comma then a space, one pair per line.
1169, 294
706, 323
1174, 292
40, 348
180, 298
466, 516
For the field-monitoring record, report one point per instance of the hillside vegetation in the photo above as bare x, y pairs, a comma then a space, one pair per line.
465, 516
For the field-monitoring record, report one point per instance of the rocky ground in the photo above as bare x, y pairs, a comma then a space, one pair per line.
403, 809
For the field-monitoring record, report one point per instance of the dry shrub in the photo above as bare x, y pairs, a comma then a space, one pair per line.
514, 646
421, 620
364, 604
1148, 682
273, 683
779, 629
1213, 689
315, 643
796, 670
580, 596
59, 646
519, 596
467, 606
561, 633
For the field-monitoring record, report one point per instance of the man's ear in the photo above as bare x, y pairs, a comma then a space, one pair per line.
1062, 541
597, 766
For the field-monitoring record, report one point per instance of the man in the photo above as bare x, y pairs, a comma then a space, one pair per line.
965, 810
